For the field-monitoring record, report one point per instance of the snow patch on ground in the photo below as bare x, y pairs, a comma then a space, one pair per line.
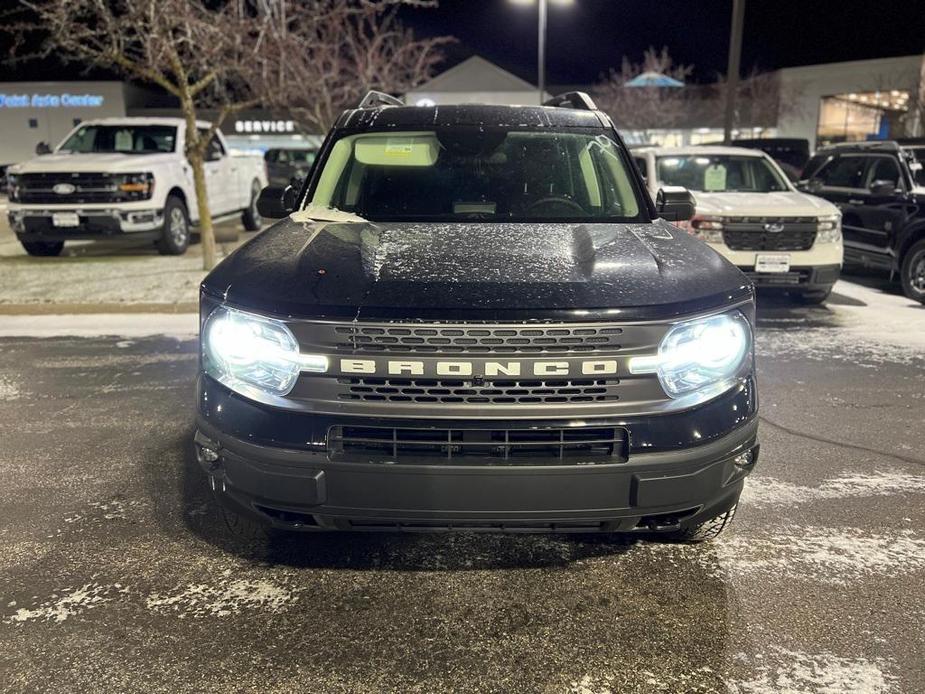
769, 491
204, 600
837, 556
68, 603
9, 390
882, 328
178, 325
822, 673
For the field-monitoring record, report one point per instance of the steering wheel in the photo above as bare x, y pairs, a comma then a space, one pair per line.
554, 201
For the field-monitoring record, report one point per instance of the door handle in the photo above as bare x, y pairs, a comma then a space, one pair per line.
855, 201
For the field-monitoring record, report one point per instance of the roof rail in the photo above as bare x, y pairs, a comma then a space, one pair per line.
579, 100
374, 99
890, 145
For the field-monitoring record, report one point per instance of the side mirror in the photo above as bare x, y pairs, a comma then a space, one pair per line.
882, 188
42, 148
674, 203
275, 202
295, 183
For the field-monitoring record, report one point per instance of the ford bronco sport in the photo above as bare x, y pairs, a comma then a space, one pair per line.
474, 317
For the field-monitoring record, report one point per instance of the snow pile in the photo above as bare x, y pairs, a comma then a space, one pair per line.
769, 491
203, 600
837, 556
822, 673
70, 602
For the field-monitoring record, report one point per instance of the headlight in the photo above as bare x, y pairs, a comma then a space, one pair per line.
828, 229
136, 186
709, 229
697, 354
12, 187
244, 351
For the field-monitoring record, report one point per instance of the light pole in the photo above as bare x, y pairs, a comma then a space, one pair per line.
732, 71
541, 39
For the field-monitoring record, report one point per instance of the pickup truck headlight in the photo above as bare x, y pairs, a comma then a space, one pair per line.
828, 229
709, 229
136, 186
697, 354
12, 187
247, 352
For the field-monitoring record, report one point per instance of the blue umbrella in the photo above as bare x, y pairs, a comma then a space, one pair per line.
653, 79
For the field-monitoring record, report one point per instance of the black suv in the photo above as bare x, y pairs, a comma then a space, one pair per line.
474, 317
880, 188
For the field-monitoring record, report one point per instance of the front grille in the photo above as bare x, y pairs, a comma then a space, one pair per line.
475, 338
572, 445
750, 234
510, 391
38, 188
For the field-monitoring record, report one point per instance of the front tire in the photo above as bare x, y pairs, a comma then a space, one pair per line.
705, 531
175, 235
251, 218
814, 298
913, 272
43, 249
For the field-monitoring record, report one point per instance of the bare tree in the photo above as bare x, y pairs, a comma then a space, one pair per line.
646, 108
762, 100
337, 50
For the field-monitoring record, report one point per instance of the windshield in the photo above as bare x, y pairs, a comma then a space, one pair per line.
125, 139
493, 175
720, 173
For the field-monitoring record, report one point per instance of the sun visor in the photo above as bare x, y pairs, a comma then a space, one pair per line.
397, 150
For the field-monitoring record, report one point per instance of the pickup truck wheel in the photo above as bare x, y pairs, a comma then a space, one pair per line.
251, 217
703, 532
913, 272
175, 235
43, 248
812, 298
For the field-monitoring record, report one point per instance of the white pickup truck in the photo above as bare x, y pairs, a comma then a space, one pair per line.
127, 178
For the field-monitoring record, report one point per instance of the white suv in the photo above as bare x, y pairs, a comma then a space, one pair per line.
749, 212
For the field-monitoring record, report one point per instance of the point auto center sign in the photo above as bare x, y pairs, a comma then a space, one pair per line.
65, 100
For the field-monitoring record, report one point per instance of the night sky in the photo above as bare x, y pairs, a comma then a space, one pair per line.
590, 36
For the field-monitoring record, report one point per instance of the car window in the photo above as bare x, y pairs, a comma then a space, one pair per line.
125, 139
885, 169
640, 163
215, 150
917, 165
813, 165
843, 172
490, 174
719, 173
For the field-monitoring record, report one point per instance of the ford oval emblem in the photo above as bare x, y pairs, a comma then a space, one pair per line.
774, 227
64, 188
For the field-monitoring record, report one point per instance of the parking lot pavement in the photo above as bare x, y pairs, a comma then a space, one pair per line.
116, 573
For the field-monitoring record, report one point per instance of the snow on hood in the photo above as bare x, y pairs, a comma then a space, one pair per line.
782, 204
92, 162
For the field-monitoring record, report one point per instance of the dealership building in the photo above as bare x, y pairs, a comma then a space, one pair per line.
859, 100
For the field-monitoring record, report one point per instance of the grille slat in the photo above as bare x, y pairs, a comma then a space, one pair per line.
455, 391
561, 446
37, 188
466, 339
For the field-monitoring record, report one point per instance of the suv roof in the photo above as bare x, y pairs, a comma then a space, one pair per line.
864, 146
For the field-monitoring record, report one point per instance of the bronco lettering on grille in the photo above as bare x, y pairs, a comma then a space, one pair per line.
591, 367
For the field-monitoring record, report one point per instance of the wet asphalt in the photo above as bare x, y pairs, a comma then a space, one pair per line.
117, 573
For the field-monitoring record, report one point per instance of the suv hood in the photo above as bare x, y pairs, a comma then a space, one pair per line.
314, 269
80, 163
785, 204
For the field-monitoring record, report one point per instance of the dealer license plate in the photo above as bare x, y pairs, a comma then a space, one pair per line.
772, 263
65, 219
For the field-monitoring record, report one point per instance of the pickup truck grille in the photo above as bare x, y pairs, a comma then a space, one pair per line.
458, 391
473, 338
38, 188
579, 445
751, 234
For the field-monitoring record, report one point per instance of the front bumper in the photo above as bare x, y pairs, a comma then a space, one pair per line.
36, 224
275, 466
799, 278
